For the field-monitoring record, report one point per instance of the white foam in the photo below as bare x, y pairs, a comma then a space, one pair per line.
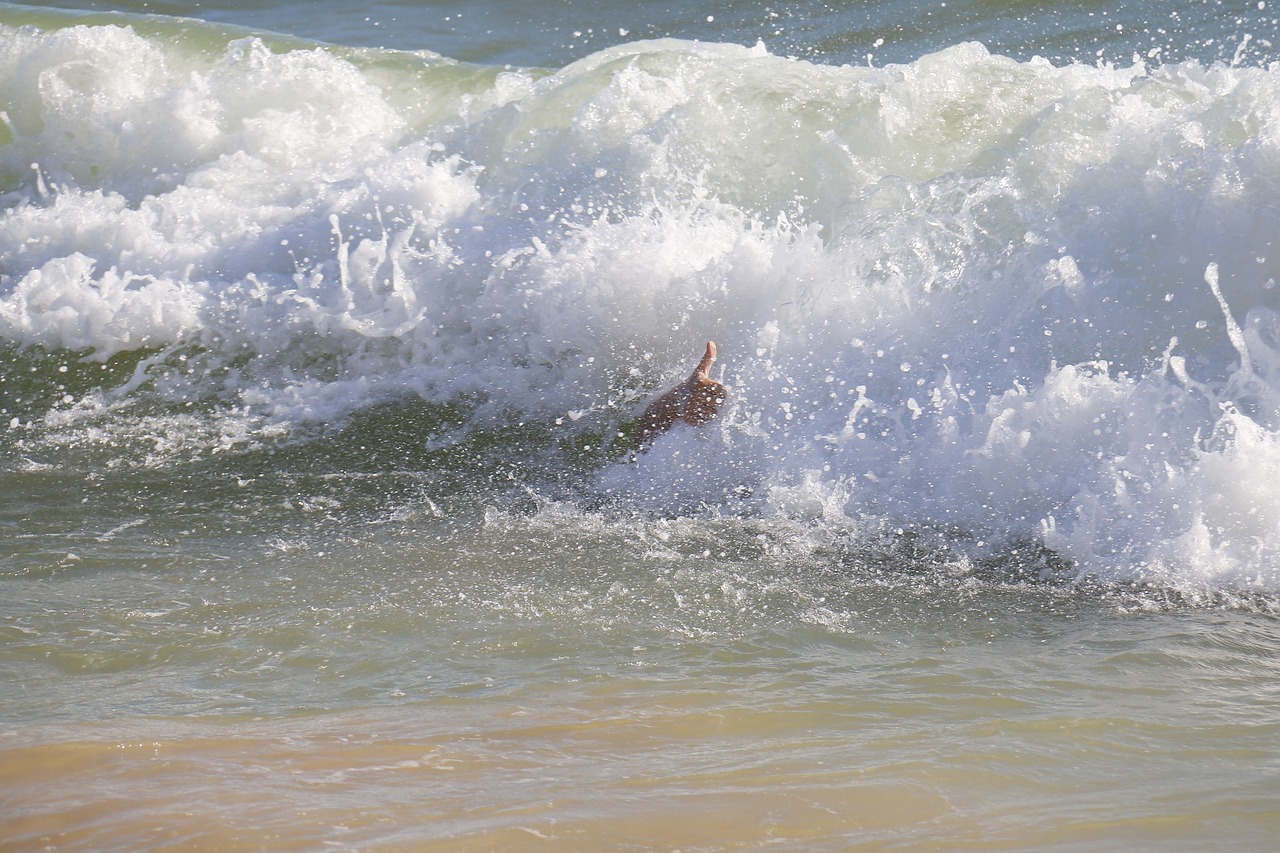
964, 294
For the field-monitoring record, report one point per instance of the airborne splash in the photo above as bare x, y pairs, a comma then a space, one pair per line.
999, 301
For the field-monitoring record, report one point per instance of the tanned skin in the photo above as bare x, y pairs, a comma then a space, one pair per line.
696, 401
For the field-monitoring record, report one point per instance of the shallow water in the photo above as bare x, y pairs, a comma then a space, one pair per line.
321, 342
380, 702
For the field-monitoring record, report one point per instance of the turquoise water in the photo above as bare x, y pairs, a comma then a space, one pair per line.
322, 338
551, 35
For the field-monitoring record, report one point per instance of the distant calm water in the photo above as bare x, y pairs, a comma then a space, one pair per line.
323, 329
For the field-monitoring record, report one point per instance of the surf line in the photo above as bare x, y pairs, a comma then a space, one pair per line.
695, 401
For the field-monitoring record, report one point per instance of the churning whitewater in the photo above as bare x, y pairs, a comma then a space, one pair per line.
326, 337
983, 303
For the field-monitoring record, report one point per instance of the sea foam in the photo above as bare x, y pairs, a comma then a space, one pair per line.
1007, 301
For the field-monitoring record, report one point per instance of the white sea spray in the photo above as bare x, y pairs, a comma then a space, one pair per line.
1008, 300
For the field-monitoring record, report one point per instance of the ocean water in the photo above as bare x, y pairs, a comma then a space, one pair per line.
324, 328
